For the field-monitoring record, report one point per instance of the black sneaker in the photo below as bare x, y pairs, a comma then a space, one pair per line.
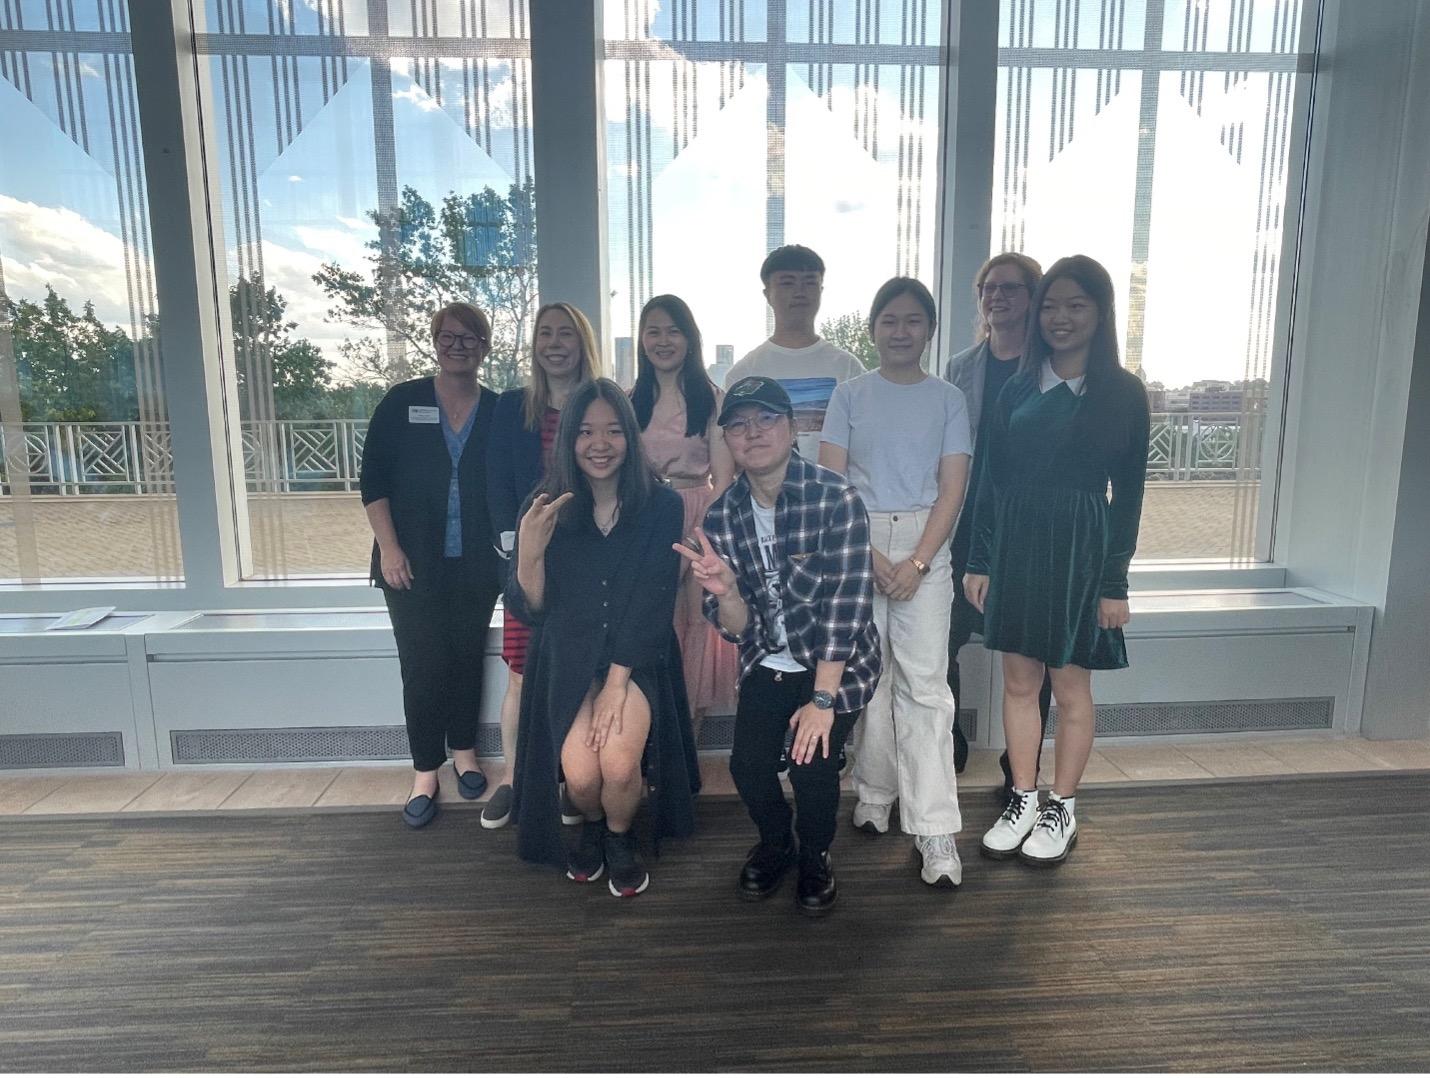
960, 749
587, 860
815, 893
497, 811
628, 876
1007, 791
570, 814
765, 867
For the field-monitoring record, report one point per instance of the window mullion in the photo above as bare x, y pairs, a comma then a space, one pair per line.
569, 156
191, 333
966, 120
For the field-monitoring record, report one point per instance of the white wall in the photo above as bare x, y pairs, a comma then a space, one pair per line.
1358, 307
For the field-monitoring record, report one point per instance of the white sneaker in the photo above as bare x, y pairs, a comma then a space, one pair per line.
941, 866
872, 819
1053, 837
1020, 813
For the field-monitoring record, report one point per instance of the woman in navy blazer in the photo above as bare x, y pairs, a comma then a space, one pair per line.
424, 488
563, 356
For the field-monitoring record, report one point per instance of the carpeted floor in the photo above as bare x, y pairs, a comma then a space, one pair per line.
1280, 925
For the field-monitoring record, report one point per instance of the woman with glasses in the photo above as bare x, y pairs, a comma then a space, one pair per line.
1048, 565
595, 576
1003, 288
563, 356
901, 436
424, 487
676, 404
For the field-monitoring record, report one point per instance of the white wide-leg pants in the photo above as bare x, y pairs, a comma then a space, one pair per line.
903, 744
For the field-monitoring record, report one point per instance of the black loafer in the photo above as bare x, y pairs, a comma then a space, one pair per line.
765, 868
471, 784
816, 890
420, 811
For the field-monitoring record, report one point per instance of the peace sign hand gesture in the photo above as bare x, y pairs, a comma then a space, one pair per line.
714, 574
539, 523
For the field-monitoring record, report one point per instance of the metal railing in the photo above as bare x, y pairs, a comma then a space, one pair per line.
92, 458
1192, 447
294, 456
288, 456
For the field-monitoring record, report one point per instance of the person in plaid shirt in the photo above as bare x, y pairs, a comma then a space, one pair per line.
785, 561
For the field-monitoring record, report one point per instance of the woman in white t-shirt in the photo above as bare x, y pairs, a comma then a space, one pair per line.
901, 435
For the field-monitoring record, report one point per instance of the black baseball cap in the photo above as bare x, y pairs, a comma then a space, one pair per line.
765, 392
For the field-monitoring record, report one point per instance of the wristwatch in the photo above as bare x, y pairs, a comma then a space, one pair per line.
921, 566
822, 700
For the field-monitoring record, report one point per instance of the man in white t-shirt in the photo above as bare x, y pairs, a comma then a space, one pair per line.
808, 366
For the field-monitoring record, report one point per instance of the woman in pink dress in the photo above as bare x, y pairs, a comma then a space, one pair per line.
676, 405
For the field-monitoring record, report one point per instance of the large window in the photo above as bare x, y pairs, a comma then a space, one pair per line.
368, 160
86, 477
374, 162
733, 128
1157, 136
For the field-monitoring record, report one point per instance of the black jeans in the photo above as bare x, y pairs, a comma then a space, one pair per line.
963, 622
441, 628
768, 698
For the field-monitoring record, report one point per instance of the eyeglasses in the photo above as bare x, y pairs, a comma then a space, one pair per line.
467, 341
760, 421
1002, 288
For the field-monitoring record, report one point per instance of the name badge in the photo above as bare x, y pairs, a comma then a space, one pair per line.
417, 413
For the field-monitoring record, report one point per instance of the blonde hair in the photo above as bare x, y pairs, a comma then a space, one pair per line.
1026, 265
472, 318
538, 391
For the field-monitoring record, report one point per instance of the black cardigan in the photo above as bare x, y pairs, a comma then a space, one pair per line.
408, 464
514, 465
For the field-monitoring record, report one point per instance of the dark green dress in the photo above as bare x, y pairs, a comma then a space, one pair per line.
1044, 530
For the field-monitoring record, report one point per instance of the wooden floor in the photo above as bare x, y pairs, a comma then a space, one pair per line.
1278, 925
1114, 761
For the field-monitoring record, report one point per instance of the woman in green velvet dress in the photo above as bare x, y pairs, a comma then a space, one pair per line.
1048, 566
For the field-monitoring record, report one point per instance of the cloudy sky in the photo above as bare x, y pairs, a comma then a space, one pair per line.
60, 221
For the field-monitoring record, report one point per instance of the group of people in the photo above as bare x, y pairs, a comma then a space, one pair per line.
809, 547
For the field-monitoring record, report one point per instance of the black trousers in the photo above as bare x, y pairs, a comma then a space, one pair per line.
441, 628
768, 698
963, 622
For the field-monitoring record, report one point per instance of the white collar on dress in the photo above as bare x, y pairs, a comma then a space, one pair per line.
1050, 380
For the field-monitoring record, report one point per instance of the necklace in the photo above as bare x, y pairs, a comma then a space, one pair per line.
606, 525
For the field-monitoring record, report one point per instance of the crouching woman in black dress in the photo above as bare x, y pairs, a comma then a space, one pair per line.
595, 575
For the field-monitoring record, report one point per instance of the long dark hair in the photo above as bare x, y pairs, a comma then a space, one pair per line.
694, 382
634, 482
1103, 357
1105, 387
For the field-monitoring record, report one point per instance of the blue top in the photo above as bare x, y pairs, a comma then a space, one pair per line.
456, 442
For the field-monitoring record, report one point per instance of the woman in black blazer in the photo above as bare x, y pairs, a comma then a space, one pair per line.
424, 487
563, 356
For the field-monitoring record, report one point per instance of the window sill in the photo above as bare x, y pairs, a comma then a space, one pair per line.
353, 592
